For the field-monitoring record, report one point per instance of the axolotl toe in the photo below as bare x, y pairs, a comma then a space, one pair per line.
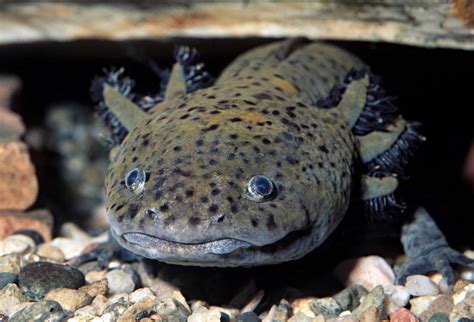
258, 167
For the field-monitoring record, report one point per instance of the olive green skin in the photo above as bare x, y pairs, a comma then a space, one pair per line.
199, 151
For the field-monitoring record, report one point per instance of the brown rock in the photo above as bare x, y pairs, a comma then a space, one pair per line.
464, 309
403, 315
96, 288
18, 183
69, 299
131, 312
40, 220
442, 303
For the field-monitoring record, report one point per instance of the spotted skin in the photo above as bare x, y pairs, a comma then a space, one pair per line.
199, 151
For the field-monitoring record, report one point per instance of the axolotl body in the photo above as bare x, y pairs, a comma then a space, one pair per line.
260, 166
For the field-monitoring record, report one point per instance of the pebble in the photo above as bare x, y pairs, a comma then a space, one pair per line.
12, 263
349, 298
51, 252
86, 311
205, 315
171, 309
375, 299
10, 296
119, 298
249, 316
327, 306
254, 302
403, 315
20, 244
139, 294
18, 182
71, 248
300, 317
100, 303
69, 299
367, 271
37, 279
46, 310
116, 309
439, 317
97, 288
7, 278
442, 303
398, 294
278, 313
421, 285
230, 312
459, 295
443, 286
39, 220
303, 305
464, 309
95, 276
420, 304
119, 282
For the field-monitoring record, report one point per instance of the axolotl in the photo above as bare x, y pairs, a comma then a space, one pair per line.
260, 165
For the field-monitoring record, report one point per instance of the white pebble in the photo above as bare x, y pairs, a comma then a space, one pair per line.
398, 294
119, 282
19, 244
420, 285
367, 271
421, 304
138, 295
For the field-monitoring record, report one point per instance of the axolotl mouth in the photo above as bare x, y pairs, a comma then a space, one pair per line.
227, 252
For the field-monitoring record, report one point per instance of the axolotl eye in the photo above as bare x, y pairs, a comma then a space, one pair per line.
260, 188
135, 180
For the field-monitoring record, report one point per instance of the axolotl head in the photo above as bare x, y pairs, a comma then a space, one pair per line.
210, 185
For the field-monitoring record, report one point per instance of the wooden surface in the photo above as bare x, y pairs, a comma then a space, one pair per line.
429, 23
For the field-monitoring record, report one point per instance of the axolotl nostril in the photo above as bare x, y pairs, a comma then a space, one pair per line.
259, 166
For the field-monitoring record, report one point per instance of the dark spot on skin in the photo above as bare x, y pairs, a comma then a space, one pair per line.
231, 156
210, 128
158, 194
185, 116
236, 119
181, 172
213, 162
215, 192
133, 209
291, 160
262, 96
189, 193
150, 212
254, 222
177, 148
146, 142
214, 112
323, 148
233, 136
249, 102
221, 218
320, 165
271, 224
213, 208
199, 142
204, 199
164, 207
119, 207
169, 220
276, 112
194, 221
134, 159
266, 141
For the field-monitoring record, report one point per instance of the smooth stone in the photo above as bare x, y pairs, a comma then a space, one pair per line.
368, 272
7, 278
51, 252
205, 315
140, 294
370, 315
443, 286
100, 287
375, 299
303, 305
95, 276
119, 298
460, 295
279, 313
420, 304
439, 317
464, 309
398, 294
116, 309
327, 306
442, 303
100, 303
37, 279
85, 311
131, 312
10, 295
231, 313
109, 317
46, 310
349, 298
33, 234
300, 317
421, 285
12, 263
403, 315
119, 282
248, 316
20, 244
197, 304
70, 247
171, 308
69, 299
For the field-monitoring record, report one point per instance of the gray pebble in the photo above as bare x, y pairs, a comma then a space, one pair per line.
41, 311
349, 298
439, 317
7, 278
247, 317
37, 279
